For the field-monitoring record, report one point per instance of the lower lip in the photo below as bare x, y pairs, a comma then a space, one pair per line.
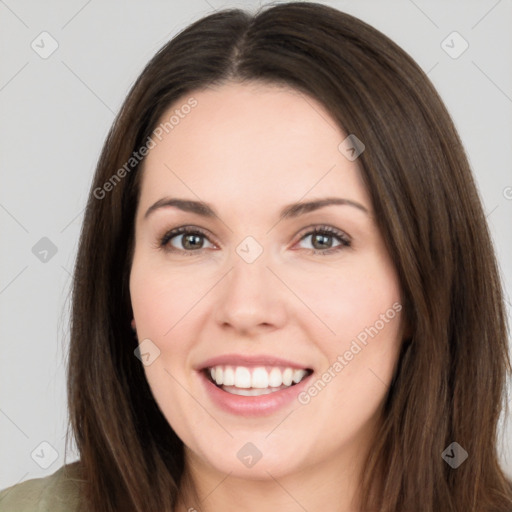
253, 405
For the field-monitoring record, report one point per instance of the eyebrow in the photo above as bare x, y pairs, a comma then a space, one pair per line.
289, 211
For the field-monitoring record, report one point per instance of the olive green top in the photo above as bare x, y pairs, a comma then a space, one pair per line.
58, 492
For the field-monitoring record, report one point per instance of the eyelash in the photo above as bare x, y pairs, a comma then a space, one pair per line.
186, 230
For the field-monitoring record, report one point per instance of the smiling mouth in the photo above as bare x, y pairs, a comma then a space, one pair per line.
254, 381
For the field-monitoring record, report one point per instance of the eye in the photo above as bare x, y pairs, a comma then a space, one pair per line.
189, 240
321, 240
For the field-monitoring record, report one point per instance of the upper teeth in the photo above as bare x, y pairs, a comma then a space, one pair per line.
257, 377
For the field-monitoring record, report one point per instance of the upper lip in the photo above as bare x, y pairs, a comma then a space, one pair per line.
249, 361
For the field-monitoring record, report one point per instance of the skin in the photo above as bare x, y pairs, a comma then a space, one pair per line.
249, 150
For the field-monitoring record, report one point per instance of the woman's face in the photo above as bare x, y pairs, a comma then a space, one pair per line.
247, 295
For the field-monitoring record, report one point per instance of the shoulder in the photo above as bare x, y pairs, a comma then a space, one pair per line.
58, 492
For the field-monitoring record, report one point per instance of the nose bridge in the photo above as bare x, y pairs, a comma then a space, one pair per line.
251, 295
249, 277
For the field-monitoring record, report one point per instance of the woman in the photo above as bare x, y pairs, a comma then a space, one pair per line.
285, 294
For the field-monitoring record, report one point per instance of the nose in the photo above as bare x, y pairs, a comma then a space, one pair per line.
251, 298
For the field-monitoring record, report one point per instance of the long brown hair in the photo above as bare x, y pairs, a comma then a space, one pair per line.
450, 380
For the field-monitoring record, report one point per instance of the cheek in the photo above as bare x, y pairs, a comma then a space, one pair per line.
367, 344
158, 298
363, 308
158, 306
368, 302
349, 300
163, 301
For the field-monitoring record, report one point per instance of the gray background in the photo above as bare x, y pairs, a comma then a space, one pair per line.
56, 112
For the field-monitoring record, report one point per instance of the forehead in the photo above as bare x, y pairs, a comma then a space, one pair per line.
249, 142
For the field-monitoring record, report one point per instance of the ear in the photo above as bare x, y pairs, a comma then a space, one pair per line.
133, 324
